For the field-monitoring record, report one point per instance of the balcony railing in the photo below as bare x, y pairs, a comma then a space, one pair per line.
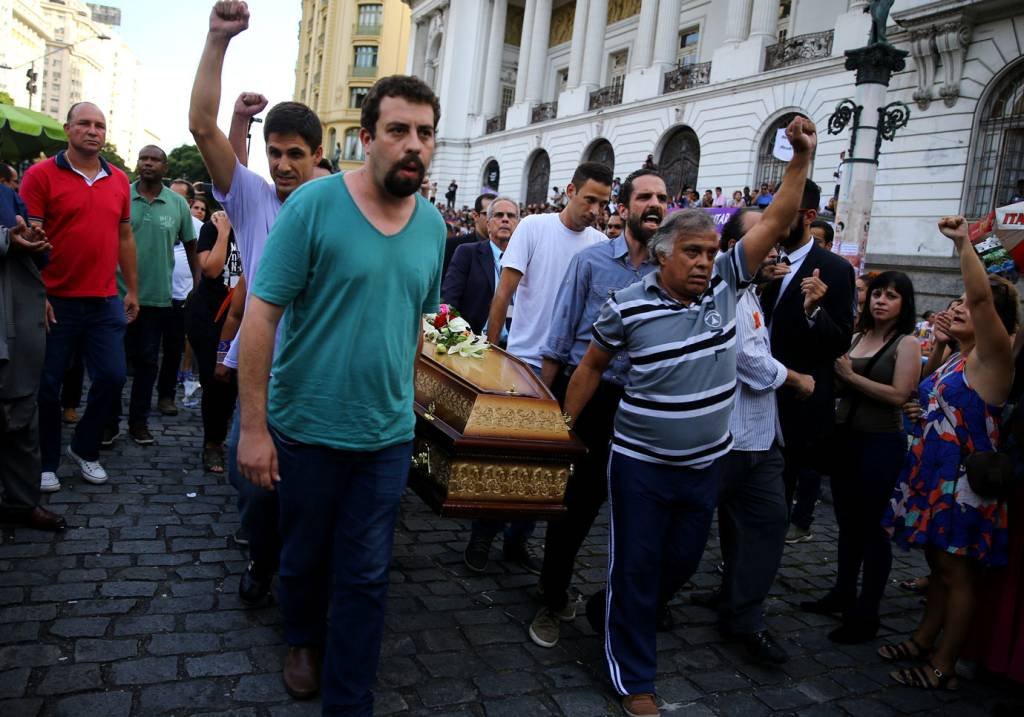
685, 77
495, 124
372, 30
357, 71
544, 111
799, 49
606, 96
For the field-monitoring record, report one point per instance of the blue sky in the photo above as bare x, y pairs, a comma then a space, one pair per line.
168, 38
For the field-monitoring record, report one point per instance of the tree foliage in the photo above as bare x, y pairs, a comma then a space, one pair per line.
6, 99
109, 153
185, 162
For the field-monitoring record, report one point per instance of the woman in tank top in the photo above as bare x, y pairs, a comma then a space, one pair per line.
877, 377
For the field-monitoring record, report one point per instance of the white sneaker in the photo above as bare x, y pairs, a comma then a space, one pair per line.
92, 471
49, 482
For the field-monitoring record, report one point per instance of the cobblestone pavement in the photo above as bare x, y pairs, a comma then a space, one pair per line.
135, 611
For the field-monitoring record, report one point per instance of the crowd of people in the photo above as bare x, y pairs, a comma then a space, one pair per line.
705, 373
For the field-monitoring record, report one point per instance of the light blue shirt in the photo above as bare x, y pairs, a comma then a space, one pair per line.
497, 280
592, 276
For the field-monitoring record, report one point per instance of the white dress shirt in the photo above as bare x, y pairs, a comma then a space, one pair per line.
795, 260
755, 422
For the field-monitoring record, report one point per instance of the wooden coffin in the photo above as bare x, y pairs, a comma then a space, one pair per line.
490, 438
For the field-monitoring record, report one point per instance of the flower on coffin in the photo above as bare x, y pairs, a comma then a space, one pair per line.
451, 334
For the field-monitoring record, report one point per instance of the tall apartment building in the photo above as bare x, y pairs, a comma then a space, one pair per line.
344, 47
78, 55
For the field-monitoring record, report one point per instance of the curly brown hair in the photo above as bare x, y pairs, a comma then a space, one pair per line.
407, 87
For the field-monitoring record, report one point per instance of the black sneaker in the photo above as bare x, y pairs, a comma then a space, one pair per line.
764, 649
110, 434
253, 586
241, 537
477, 552
828, 605
524, 555
140, 434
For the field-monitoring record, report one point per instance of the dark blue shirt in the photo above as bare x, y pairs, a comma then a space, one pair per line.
11, 206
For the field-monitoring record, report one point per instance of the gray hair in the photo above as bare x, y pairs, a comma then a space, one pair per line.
686, 221
503, 198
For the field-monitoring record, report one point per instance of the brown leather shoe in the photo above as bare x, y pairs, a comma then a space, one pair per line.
302, 672
640, 705
42, 519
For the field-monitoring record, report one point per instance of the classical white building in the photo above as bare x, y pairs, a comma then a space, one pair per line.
529, 88
78, 55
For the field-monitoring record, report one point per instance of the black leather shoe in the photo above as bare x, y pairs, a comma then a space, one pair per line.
523, 555
763, 648
828, 605
301, 672
253, 585
854, 631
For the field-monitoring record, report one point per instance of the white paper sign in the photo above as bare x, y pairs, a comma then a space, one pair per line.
783, 150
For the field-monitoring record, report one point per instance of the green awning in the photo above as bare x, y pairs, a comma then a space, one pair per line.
24, 133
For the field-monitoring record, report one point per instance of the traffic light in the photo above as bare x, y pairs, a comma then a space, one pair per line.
32, 76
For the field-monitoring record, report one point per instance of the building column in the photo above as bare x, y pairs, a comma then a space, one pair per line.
764, 20
492, 70
737, 21
418, 51
539, 51
579, 38
666, 41
523, 63
593, 54
643, 46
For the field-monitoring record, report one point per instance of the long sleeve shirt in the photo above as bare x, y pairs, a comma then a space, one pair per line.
755, 417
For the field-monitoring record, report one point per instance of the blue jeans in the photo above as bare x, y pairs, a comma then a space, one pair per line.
660, 520
95, 326
338, 514
257, 510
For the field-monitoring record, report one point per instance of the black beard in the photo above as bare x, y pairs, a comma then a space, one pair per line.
637, 230
796, 234
400, 186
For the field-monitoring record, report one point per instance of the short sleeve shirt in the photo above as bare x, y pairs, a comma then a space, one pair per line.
540, 249
252, 206
82, 221
343, 372
682, 375
158, 226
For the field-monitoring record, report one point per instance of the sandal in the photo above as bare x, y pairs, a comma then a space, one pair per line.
909, 649
213, 459
925, 677
915, 585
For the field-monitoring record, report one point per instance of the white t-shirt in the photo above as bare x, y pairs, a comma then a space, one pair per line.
540, 248
181, 277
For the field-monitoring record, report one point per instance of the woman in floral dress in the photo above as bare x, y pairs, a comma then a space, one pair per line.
933, 506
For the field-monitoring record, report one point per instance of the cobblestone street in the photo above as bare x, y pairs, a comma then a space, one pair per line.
135, 611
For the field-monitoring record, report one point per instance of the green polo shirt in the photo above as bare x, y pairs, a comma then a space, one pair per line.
158, 226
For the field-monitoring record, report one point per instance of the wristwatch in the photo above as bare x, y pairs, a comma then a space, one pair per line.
814, 314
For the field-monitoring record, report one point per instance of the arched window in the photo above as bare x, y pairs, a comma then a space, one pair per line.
997, 164
492, 176
537, 178
353, 147
679, 161
601, 151
769, 168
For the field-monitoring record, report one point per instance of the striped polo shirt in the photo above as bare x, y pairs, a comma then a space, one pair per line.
683, 366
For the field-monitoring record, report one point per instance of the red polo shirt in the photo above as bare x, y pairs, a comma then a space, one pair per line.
81, 221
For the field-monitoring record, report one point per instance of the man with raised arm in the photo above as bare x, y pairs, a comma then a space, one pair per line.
293, 137
678, 326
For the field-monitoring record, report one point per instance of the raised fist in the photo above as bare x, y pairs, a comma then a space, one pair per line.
802, 135
229, 18
954, 228
250, 104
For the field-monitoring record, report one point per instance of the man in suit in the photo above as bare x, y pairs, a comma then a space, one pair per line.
479, 231
472, 275
810, 314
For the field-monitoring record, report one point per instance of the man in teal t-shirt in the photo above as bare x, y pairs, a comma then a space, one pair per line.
351, 264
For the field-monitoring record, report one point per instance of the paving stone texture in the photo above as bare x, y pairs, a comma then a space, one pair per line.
134, 611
